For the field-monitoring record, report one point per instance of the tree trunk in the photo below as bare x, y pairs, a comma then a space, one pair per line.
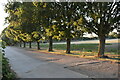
101, 48
30, 45
38, 45
24, 44
50, 44
20, 44
68, 46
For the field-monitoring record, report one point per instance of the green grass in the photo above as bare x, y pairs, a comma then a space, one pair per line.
73, 46
80, 47
83, 50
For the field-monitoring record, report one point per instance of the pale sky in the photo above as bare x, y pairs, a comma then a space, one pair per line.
2, 15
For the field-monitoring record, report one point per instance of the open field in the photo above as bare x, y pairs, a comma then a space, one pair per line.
110, 47
88, 46
84, 49
90, 41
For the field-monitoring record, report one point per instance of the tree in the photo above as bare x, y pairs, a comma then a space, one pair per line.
25, 17
67, 15
10, 35
101, 18
113, 35
26, 20
48, 17
13, 20
37, 37
117, 35
5, 38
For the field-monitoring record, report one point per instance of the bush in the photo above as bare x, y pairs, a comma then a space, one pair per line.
89, 50
7, 73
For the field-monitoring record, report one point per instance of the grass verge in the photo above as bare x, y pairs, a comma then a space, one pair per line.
88, 55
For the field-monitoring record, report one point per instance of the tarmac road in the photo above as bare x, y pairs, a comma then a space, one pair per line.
30, 67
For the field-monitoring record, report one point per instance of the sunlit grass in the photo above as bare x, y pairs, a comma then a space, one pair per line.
79, 54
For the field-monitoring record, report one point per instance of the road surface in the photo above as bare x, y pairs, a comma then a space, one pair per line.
27, 66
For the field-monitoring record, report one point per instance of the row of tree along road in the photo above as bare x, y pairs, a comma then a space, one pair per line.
36, 21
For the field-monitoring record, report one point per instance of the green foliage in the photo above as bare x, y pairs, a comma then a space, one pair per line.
67, 23
26, 37
2, 44
101, 18
37, 36
33, 21
114, 35
6, 70
89, 50
7, 73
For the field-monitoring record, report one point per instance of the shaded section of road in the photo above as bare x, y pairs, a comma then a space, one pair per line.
29, 67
